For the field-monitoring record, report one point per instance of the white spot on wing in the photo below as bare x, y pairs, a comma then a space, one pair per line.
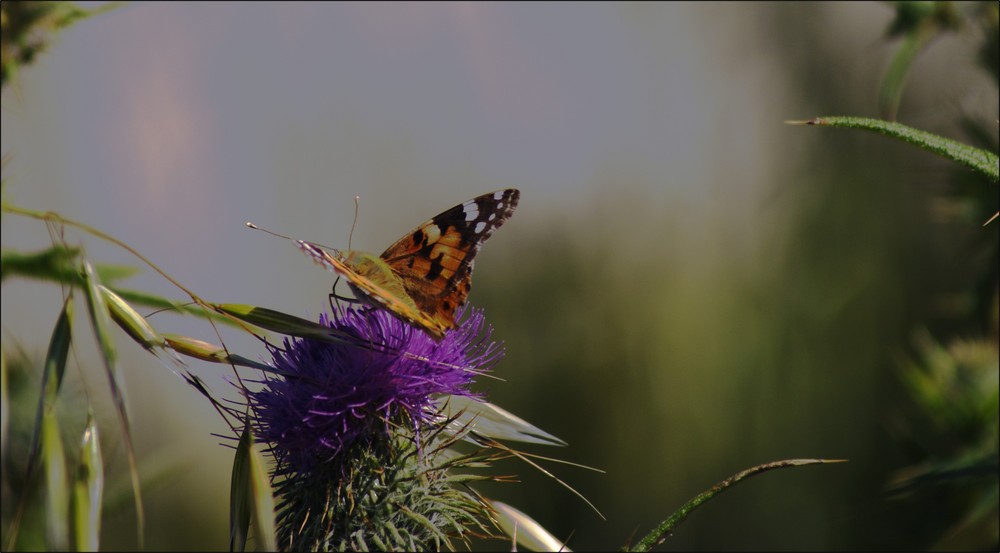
471, 211
498, 195
479, 227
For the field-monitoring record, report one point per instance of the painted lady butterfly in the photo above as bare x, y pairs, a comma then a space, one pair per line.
425, 275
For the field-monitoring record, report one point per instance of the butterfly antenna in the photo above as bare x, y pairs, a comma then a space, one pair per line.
357, 204
333, 295
271, 232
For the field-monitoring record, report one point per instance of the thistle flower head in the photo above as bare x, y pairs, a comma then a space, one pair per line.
351, 427
332, 396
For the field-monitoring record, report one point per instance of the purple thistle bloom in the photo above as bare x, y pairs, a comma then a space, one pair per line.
332, 396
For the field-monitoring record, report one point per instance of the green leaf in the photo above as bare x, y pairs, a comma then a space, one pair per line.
250, 493
88, 490
56, 484
199, 349
4, 401
657, 536
528, 533
891, 91
277, 321
57, 264
129, 320
982, 161
491, 421
240, 494
263, 503
919, 23
52, 375
160, 302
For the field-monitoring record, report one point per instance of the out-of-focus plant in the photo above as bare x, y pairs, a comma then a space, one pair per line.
917, 24
28, 27
951, 426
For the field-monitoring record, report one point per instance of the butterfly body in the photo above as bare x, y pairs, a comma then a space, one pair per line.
423, 277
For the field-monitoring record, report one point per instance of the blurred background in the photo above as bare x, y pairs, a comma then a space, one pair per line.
689, 286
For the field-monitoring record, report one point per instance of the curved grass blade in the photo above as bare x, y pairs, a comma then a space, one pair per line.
291, 325
4, 401
55, 263
982, 161
199, 349
919, 23
139, 329
88, 491
56, 484
250, 494
59, 264
486, 419
129, 320
158, 302
52, 376
524, 530
263, 503
100, 319
658, 535
277, 321
239, 495
891, 90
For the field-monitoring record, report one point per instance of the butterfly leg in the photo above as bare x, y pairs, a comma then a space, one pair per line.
334, 298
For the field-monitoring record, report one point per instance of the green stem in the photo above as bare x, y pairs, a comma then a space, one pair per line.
985, 162
661, 532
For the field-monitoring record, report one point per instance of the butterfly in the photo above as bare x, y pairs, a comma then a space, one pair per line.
423, 277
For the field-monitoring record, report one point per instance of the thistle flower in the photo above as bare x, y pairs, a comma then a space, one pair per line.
352, 430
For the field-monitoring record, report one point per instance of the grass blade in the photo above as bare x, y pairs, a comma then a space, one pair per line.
200, 349
524, 530
52, 375
486, 419
56, 485
4, 401
250, 492
263, 503
88, 490
239, 494
277, 321
657, 536
129, 320
55, 360
982, 161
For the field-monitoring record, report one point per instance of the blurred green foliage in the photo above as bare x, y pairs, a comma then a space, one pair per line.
27, 29
672, 371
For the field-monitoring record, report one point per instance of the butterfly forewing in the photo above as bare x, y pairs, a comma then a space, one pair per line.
435, 260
